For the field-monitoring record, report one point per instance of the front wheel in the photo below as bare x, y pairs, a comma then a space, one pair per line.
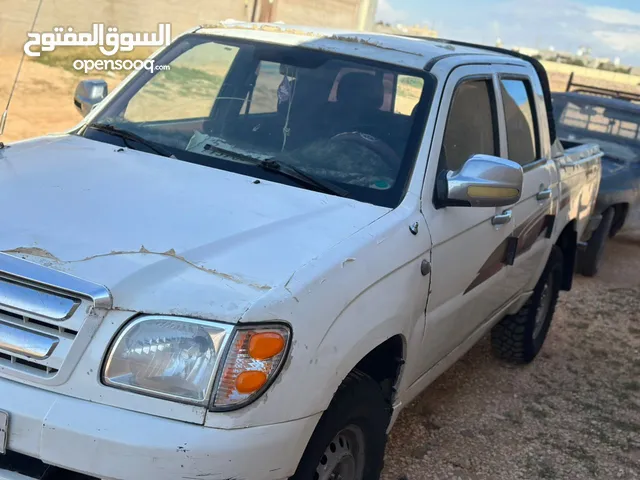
518, 338
349, 441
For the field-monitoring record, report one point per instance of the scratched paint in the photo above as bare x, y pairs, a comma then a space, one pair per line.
170, 228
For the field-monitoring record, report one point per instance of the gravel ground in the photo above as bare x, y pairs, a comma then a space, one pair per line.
572, 414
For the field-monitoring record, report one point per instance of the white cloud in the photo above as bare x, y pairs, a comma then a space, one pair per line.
387, 13
628, 42
618, 29
615, 16
566, 24
569, 24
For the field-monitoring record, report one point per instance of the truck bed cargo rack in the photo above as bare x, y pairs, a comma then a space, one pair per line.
573, 86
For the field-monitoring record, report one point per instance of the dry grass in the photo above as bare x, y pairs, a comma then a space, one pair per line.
559, 81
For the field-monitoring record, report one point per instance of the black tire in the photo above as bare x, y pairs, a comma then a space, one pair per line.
360, 403
591, 257
518, 338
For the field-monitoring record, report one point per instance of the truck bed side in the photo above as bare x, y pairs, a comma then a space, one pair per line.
579, 170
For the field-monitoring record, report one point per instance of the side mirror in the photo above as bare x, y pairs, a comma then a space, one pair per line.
483, 181
88, 94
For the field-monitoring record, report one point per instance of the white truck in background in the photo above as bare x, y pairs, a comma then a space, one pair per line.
247, 265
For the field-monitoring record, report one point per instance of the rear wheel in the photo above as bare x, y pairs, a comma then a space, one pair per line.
349, 441
518, 338
591, 257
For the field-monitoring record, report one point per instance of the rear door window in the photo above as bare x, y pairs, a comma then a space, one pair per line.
271, 86
407, 95
522, 130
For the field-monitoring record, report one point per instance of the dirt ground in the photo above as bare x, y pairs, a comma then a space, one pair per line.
572, 414
43, 100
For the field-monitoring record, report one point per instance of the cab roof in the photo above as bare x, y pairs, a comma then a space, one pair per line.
405, 51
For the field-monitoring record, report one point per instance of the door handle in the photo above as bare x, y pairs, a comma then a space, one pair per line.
544, 194
503, 218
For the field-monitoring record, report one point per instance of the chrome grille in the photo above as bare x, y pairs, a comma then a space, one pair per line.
18, 298
46, 319
31, 368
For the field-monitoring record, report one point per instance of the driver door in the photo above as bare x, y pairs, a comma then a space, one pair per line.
470, 244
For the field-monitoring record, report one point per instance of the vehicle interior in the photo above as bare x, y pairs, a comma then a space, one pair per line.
340, 118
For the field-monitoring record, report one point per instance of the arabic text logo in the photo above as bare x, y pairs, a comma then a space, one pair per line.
109, 43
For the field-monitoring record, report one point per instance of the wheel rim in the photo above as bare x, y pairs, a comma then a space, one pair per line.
343, 459
545, 302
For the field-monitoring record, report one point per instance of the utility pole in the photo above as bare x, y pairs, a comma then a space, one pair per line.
364, 13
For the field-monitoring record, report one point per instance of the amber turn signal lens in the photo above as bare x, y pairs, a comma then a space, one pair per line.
266, 345
254, 358
250, 382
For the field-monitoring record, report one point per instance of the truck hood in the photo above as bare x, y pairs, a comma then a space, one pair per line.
164, 236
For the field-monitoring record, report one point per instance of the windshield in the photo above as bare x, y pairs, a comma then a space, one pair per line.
230, 104
616, 130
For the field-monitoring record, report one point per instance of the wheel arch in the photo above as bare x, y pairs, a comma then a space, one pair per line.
380, 357
384, 364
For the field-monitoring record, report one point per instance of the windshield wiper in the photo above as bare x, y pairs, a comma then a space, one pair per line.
284, 169
297, 174
128, 136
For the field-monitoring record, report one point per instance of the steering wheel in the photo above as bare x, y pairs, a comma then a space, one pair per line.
361, 136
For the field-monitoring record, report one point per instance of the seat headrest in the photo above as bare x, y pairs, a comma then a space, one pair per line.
364, 89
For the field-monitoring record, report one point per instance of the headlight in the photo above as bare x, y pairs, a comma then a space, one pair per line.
179, 359
167, 357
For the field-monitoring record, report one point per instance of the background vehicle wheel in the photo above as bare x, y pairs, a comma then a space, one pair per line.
591, 258
518, 338
349, 441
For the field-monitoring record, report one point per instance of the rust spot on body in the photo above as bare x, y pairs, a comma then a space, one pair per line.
34, 251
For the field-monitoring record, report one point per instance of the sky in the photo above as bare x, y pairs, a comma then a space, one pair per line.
611, 28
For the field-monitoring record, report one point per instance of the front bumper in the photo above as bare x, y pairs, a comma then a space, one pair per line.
113, 443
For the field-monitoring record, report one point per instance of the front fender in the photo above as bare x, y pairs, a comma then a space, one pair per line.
341, 306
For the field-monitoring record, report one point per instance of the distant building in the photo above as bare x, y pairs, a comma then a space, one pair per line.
144, 15
532, 52
602, 62
581, 58
348, 14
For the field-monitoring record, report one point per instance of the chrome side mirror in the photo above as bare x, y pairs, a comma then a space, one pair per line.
483, 181
88, 94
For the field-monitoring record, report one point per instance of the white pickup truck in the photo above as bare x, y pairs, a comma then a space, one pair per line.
245, 266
